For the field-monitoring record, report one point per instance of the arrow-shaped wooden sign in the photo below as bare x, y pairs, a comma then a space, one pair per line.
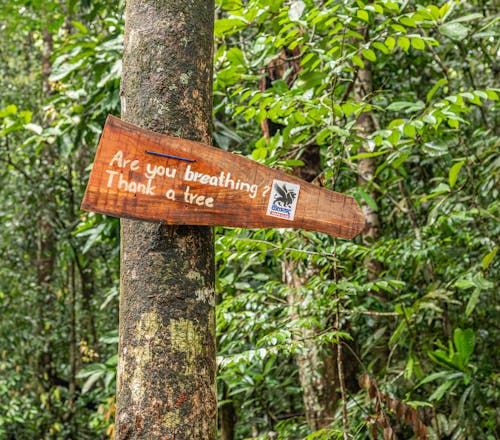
144, 175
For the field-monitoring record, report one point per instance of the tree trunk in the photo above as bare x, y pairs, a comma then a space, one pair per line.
47, 49
46, 256
366, 125
227, 416
166, 373
316, 364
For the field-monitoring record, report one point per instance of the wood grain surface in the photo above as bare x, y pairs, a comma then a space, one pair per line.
132, 177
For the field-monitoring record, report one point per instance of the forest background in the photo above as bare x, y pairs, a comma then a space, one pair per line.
391, 335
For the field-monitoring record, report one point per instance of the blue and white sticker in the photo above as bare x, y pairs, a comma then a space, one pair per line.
283, 200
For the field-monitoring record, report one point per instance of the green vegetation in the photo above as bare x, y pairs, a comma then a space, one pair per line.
392, 102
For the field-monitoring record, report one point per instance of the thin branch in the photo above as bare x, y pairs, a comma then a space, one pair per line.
369, 313
440, 64
340, 358
18, 169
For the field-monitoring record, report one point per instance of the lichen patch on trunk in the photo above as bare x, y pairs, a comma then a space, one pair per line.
171, 419
184, 337
206, 294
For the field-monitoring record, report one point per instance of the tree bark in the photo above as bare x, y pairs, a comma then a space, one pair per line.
227, 416
366, 124
47, 50
166, 372
316, 364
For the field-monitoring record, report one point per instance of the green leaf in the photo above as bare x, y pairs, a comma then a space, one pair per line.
381, 47
396, 336
465, 283
358, 61
488, 258
26, 116
407, 21
432, 377
453, 174
9, 110
480, 94
418, 43
399, 157
435, 88
395, 123
228, 26
112, 361
409, 369
441, 389
390, 42
398, 105
405, 105
64, 69
441, 189
434, 10
469, 17
94, 234
434, 150
92, 380
308, 57
310, 80
398, 28
464, 341
230, 5
409, 130
415, 404
363, 15
369, 55
394, 137
454, 30
404, 43
80, 26
369, 154
472, 303
280, 86
35, 128
291, 163
368, 199
443, 10
110, 376
492, 94
90, 370
349, 108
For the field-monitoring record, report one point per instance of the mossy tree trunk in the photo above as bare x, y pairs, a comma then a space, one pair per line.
166, 372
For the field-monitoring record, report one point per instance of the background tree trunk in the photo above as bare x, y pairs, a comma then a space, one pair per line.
227, 416
166, 373
316, 364
366, 125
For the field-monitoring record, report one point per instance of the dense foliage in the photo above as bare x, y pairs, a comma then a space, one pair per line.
392, 102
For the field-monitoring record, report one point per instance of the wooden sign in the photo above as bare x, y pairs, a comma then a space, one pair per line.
144, 175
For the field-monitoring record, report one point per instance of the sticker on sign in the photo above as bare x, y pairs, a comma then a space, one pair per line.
283, 200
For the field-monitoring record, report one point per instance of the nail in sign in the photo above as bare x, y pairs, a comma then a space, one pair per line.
144, 175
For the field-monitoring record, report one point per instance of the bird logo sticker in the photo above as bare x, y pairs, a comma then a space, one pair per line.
283, 200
